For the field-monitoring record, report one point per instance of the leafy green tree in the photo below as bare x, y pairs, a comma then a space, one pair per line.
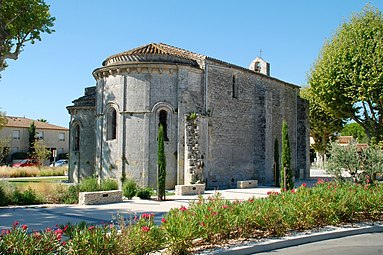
355, 130
41, 152
286, 160
3, 120
161, 182
42, 120
32, 136
22, 21
323, 126
347, 77
4, 150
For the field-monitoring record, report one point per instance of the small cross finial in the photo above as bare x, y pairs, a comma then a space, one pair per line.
260, 53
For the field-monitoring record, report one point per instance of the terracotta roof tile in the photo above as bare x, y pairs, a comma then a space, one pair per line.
22, 122
155, 49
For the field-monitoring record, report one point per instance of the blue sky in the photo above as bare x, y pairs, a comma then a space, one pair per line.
50, 74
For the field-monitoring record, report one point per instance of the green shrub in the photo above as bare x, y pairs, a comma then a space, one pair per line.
89, 184
66, 194
129, 189
3, 197
28, 197
109, 184
145, 193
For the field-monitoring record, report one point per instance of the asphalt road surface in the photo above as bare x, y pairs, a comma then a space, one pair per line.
366, 244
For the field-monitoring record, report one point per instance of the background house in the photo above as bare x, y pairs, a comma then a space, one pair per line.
15, 132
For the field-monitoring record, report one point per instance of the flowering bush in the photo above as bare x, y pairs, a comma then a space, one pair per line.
140, 235
19, 241
207, 221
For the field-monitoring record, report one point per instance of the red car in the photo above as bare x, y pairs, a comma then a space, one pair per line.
26, 162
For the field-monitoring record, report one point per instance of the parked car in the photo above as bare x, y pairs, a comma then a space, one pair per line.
26, 162
60, 162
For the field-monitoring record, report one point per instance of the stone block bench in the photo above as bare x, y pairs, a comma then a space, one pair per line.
190, 189
247, 184
100, 197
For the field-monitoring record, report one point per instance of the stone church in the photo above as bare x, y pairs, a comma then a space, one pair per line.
220, 120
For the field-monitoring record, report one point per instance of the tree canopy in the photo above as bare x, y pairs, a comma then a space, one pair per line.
323, 126
3, 119
347, 77
355, 130
21, 21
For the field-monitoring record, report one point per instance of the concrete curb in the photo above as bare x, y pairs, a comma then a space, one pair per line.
298, 240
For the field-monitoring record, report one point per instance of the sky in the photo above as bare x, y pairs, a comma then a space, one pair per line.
51, 73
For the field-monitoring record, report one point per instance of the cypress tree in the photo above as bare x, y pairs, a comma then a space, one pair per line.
161, 164
32, 137
276, 162
286, 160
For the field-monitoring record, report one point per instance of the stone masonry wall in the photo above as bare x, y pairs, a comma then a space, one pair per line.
244, 126
194, 161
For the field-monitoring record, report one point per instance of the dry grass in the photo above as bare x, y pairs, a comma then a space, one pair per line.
11, 172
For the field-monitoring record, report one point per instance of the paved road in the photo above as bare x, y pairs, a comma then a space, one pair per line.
366, 244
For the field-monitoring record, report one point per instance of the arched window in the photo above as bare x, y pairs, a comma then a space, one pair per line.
163, 120
111, 124
76, 138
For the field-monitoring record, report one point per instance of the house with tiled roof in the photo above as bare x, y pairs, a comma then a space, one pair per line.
222, 122
16, 133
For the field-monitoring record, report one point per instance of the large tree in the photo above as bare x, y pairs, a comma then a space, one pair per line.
3, 119
323, 126
355, 130
21, 21
347, 77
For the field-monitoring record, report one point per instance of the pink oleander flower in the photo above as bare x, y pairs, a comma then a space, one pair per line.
91, 227
225, 206
16, 223
63, 243
304, 185
24, 227
183, 208
214, 213
202, 224
48, 230
65, 228
251, 200
293, 191
145, 229
145, 216
163, 220
37, 234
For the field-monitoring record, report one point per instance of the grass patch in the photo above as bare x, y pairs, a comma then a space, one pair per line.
12, 172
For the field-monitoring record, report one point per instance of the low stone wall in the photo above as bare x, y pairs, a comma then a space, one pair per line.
191, 189
100, 197
247, 184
